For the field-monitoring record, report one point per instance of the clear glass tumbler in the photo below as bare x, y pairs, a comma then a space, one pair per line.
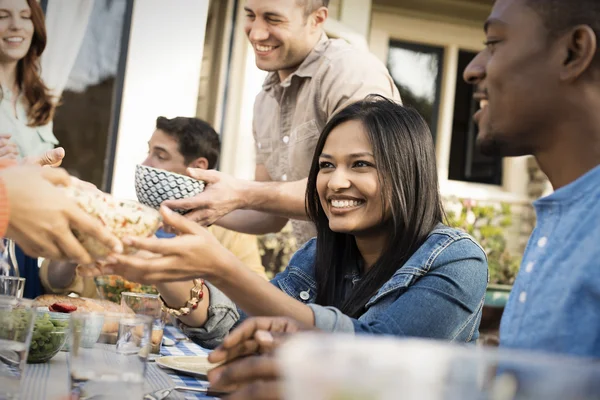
16, 325
108, 355
150, 305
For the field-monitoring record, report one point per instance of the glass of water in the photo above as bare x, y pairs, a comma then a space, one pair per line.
8, 261
150, 305
16, 325
108, 355
12, 286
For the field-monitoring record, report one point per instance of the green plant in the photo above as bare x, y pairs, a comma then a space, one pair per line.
276, 249
488, 224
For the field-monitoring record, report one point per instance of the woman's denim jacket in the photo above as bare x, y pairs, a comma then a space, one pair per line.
438, 293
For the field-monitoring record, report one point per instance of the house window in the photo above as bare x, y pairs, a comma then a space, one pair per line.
466, 161
417, 72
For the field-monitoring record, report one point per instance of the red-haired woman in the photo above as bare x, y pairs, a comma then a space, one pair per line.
26, 106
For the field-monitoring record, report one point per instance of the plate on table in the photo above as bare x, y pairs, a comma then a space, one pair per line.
189, 365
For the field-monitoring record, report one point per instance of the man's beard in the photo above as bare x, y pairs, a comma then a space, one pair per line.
495, 144
489, 146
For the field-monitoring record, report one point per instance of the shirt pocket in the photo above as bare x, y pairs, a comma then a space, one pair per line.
302, 143
399, 283
299, 285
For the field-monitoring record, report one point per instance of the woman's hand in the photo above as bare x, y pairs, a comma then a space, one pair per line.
51, 158
195, 253
42, 217
96, 268
8, 149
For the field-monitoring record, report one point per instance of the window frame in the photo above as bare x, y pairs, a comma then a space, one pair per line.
389, 26
440, 52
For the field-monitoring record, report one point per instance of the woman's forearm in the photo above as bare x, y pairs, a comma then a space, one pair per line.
176, 295
256, 296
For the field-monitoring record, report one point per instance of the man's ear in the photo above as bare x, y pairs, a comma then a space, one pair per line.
319, 17
580, 50
200, 162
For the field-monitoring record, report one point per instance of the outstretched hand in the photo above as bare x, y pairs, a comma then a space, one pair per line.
42, 218
51, 158
194, 253
220, 197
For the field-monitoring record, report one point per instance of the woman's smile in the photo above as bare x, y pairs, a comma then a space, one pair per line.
341, 205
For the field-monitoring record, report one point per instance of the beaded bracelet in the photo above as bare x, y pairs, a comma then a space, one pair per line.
196, 294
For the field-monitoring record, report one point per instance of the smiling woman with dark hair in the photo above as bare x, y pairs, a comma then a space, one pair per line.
382, 261
406, 197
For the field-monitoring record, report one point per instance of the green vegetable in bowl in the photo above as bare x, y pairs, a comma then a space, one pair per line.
49, 335
15, 324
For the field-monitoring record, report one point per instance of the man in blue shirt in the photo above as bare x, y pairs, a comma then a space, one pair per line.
538, 82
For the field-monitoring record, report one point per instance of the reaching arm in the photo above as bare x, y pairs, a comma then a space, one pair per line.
262, 206
43, 218
267, 203
197, 253
252, 222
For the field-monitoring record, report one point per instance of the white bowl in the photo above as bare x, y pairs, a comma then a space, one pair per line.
122, 217
88, 334
154, 186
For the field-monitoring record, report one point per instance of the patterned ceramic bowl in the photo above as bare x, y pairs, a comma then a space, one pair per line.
153, 186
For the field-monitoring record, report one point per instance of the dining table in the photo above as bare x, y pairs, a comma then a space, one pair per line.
50, 380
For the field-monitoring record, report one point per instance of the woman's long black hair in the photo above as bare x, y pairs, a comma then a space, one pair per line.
405, 160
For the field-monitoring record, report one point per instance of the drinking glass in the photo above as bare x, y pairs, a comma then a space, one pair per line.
8, 260
108, 355
12, 286
319, 367
16, 326
150, 305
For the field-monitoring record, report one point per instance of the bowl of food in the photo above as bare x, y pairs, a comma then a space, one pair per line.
110, 287
122, 217
91, 333
154, 186
50, 332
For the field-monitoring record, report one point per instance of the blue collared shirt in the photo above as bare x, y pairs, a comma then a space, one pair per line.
554, 305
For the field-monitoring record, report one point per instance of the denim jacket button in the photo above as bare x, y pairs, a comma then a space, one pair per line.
304, 295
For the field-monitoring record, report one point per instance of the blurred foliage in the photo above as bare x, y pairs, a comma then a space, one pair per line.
276, 249
488, 224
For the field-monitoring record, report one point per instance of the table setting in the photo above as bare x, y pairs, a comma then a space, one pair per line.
106, 355
56, 346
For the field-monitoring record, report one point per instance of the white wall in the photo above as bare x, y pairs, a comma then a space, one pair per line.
245, 154
161, 78
356, 14
245, 82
